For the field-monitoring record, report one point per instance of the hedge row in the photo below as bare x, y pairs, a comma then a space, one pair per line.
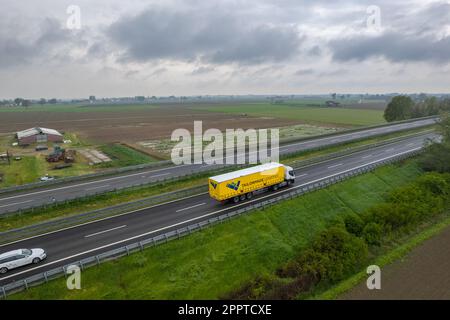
343, 248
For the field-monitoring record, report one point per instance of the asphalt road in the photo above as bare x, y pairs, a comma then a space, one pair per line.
33, 198
72, 244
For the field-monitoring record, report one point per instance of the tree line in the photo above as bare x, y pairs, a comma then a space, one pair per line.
404, 107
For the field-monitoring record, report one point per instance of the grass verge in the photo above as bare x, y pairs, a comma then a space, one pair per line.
40, 215
203, 265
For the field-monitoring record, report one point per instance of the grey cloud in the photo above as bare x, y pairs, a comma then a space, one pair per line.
411, 36
207, 35
304, 72
16, 51
392, 46
202, 70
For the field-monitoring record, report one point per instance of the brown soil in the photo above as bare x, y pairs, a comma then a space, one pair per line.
134, 125
423, 274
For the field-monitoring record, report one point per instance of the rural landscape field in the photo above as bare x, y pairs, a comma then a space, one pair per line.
224, 159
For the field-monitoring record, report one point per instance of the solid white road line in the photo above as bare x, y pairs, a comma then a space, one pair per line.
101, 232
191, 207
12, 204
104, 186
135, 174
205, 215
160, 175
88, 183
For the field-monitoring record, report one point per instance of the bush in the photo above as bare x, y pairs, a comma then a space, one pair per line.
436, 183
342, 248
342, 253
373, 233
354, 224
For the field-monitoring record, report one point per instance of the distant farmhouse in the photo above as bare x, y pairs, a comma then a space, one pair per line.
332, 104
38, 135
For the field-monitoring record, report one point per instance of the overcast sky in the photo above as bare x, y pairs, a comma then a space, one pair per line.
190, 47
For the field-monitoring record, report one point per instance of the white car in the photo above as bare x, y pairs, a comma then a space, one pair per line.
47, 178
18, 258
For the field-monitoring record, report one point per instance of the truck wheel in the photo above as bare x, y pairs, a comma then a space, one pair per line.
243, 197
3, 270
249, 195
275, 187
236, 199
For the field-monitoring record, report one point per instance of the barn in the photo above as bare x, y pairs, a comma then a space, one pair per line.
38, 135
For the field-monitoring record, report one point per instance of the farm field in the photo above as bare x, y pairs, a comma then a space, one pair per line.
31, 168
305, 114
203, 265
421, 274
135, 123
32, 164
129, 124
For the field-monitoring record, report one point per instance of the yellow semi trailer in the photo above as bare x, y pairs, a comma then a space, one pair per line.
243, 184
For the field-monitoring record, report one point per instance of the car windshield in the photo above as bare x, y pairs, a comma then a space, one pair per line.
26, 252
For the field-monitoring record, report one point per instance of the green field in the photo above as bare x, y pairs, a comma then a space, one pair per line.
123, 156
339, 116
210, 263
31, 168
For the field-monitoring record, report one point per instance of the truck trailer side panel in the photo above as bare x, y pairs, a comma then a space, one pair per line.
224, 190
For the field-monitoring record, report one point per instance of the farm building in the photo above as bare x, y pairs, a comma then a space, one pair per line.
38, 135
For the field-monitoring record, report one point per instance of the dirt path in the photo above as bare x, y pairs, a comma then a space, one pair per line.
423, 274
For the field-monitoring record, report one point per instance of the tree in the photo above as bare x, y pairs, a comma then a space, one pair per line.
18, 101
437, 155
42, 101
400, 108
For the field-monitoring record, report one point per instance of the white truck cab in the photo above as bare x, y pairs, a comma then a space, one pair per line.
289, 174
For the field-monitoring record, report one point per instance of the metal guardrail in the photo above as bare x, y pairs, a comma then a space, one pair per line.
58, 272
61, 223
358, 129
47, 226
192, 173
105, 173
306, 162
168, 162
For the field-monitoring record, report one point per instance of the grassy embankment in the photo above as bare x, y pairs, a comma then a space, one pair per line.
204, 264
29, 218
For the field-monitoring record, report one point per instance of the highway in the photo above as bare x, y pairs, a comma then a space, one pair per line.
11, 202
71, 244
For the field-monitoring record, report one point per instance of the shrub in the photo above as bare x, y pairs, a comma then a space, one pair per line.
373, 233
354, 224
343, 252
